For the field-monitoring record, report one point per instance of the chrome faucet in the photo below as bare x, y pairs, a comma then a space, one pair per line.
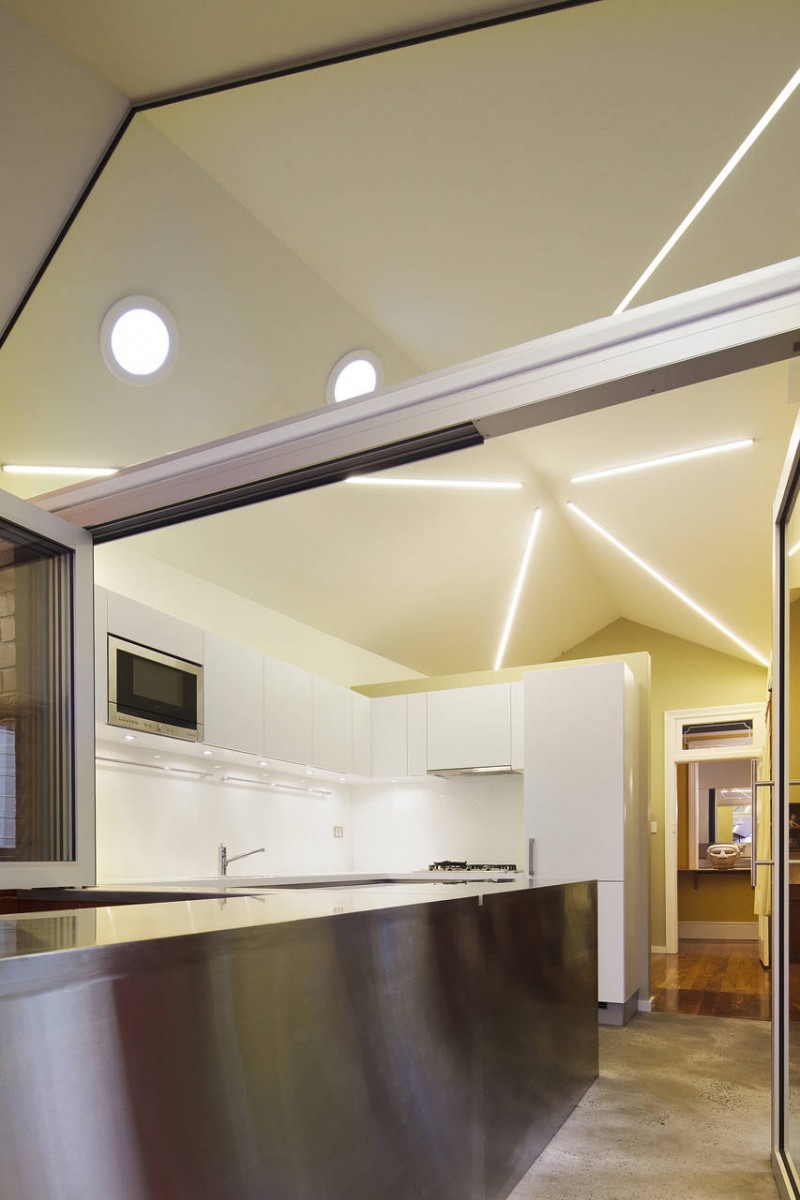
225, 858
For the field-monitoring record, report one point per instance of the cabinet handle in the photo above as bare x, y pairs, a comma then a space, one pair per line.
530, 855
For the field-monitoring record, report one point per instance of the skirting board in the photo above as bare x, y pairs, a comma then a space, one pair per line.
725, 931
658, 949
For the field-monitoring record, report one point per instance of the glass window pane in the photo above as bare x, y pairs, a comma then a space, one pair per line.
36, 738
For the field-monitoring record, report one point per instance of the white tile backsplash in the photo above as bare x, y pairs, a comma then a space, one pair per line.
154, 827
407, 825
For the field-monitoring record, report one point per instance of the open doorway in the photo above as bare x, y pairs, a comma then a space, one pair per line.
718, 947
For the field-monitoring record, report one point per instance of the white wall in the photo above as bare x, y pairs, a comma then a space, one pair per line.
120, 568
58, 119
406, 826
153, 827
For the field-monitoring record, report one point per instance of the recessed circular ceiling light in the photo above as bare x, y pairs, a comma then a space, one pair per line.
138, 340
357, 374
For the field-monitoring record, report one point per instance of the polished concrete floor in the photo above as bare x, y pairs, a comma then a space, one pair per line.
681, 1109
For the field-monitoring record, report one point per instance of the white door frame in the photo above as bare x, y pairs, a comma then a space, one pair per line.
674, 720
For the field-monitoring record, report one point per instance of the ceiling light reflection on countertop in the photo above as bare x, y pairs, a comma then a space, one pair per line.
671, 587
664, 460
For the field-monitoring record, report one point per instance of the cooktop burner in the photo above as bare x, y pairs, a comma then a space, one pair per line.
448, 864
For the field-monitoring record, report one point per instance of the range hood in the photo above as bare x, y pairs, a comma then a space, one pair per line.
502, 769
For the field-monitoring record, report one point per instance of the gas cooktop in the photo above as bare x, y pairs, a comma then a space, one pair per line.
448, 864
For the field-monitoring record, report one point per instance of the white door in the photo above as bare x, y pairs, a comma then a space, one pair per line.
46, 699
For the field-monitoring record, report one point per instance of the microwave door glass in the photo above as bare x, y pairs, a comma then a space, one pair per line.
152, 690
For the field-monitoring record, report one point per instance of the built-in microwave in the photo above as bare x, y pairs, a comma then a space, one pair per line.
154, 692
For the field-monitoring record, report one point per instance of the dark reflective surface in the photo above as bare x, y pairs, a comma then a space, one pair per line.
428, 1050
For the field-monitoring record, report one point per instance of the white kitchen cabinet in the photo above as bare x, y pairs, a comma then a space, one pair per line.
469, 727
233, 691
417, 741
361, 742
100, 655
288, 712
582, 804
331, 726
149, 627
517, 726
389, 737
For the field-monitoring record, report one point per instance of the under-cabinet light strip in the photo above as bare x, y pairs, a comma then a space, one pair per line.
478, 484
276, 787
89, 472
129, 762
512, 608
671, 587
664, 461
713, 188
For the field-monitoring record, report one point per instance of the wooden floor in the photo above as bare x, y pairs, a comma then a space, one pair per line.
712, 979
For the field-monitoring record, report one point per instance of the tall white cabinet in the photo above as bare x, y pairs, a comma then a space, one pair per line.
582, 806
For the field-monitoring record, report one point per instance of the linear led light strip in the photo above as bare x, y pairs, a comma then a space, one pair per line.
671, 587
713, 188
484, 484
512, 608
666, 460
90, 472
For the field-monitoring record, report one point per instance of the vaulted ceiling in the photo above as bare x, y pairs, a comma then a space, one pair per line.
432, 204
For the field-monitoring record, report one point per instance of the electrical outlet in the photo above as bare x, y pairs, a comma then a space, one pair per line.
338, 831
654, 826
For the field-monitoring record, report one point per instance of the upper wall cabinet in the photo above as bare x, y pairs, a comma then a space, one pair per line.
390, 737
361, 741
234, 699
332, 719
150, 627
469, 727
288, 712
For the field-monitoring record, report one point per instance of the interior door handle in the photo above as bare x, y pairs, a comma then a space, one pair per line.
755, 784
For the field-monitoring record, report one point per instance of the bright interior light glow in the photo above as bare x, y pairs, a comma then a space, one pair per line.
794, 550
140, 341
92, 472
484, 484
357, 378
713, 188
512, 608
684, 456
671, 587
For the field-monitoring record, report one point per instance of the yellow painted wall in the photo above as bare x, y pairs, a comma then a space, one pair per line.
717, 896
684, 675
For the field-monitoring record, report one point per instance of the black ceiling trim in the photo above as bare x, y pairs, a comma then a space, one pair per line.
68, 223
369, 51
379, 458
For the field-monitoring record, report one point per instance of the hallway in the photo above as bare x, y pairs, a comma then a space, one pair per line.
712, 979
682, 1107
